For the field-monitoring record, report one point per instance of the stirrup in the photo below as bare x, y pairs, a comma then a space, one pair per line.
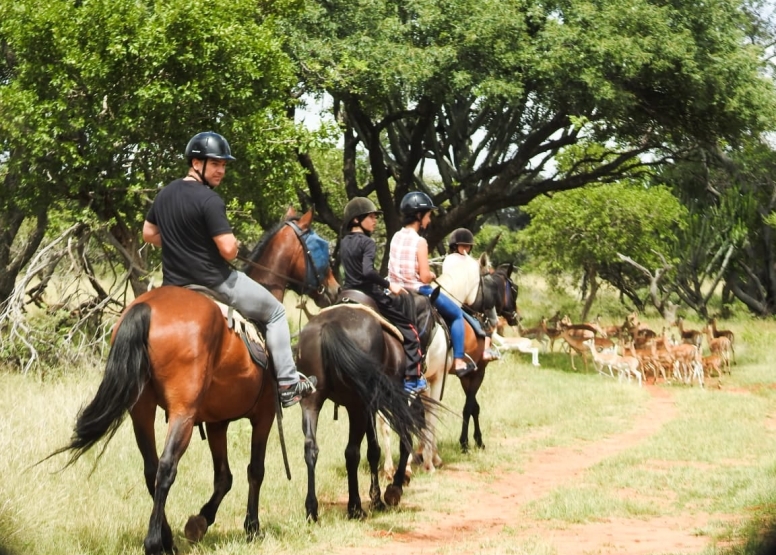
291, 395
465, 371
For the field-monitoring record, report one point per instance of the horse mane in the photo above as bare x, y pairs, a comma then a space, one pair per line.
261, 246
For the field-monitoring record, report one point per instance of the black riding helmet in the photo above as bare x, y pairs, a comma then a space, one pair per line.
207, 145
357, 209
460, 236
414, 202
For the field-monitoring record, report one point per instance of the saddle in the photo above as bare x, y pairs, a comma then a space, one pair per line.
252, 333
418, 308
356, 299
474, 322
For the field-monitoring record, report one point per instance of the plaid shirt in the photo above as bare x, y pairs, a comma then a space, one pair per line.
403, 262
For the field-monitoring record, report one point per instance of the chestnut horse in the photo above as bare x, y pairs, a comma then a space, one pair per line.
172, 348
496, 289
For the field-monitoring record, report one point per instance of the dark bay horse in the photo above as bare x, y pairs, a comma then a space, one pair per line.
360, 366
172, 348
496, 289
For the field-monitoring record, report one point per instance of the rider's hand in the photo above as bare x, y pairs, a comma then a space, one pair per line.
396, 289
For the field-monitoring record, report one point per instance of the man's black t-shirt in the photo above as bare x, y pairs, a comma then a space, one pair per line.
189, 214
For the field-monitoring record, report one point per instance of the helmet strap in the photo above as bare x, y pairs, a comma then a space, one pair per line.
201, 174
359, 226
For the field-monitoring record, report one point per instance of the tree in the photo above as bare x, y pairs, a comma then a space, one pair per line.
586, 230
98, 100
492, 92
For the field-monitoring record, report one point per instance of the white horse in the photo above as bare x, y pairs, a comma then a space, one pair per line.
439, 361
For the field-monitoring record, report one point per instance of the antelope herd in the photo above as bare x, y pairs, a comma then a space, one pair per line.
632, 351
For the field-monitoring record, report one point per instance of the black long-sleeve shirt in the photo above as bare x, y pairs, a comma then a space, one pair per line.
357, 251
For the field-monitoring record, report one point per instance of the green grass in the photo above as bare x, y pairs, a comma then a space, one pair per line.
716, 456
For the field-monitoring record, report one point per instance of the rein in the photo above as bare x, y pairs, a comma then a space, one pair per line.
309, 260
311, 269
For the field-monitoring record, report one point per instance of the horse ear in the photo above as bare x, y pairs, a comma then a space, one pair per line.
306, 220
290, 213
510, 269
484, 262
492, 245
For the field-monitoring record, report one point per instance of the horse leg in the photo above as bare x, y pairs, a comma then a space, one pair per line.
143, 414
262, 425
439, 359
472, 409
358, 426
431, 458
394, 491
309, 427
384, 431
467, 412
197, 525
373, 457
178, 438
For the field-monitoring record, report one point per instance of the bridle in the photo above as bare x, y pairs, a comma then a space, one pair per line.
485, 299
314, 273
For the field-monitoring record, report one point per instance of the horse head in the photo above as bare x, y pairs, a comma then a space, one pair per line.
291, 255
498, 290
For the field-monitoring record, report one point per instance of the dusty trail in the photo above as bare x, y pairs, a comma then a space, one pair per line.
500, 501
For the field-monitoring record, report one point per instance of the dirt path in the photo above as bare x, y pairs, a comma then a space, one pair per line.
500, 502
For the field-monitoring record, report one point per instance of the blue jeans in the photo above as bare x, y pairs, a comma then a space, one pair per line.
453, 315
256, 303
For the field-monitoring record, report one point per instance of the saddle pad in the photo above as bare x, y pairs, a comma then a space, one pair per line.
475, 324
246, 329
383, 322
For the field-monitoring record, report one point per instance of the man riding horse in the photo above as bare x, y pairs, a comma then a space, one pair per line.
188, 221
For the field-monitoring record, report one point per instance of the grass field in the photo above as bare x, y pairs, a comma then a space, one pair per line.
718, 455
715, 455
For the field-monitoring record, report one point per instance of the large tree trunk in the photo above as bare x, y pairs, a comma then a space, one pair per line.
14, 255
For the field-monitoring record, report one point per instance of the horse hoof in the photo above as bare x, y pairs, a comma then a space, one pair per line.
251, 528
356, 514
195, 528
378, 505
162, 550
392, 495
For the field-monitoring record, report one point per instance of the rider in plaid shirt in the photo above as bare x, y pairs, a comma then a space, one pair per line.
408, 267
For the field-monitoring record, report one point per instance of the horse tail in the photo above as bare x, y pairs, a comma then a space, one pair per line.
125, 376
368, 378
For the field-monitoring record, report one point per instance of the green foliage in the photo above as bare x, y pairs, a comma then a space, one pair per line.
575, 231
101, 98
506, 250
495, 92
